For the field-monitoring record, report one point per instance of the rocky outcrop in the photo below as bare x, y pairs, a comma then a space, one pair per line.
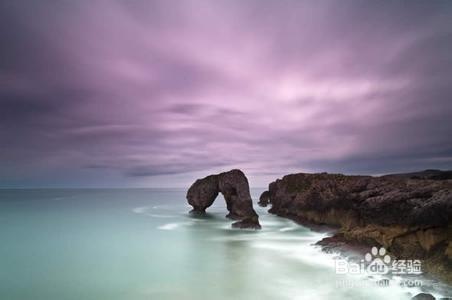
235, 189
264, 199
426, 174
409, 217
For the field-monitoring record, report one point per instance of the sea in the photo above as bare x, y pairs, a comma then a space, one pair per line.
73, 244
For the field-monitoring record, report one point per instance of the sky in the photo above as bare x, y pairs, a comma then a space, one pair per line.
159, 93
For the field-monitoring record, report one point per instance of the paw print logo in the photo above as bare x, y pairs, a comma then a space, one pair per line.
378, 261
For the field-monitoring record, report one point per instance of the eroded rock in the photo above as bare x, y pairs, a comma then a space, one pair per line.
235, 189
410, 216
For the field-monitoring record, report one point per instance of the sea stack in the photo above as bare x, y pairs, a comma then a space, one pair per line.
236, 191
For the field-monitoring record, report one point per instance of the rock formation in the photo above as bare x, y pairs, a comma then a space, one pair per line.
426, 174
423, 296
235, 189
409, 217
264, 199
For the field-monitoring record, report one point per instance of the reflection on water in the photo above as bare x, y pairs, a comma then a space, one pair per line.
143, 244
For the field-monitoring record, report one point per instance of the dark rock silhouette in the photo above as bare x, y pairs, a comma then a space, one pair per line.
235, 189
264, 199
409, 216
423, 296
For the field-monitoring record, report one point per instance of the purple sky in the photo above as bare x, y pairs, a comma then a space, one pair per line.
158, 93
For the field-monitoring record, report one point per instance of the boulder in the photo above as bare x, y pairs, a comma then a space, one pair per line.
423, 296
264, 199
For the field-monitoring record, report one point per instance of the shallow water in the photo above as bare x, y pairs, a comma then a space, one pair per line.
143, 244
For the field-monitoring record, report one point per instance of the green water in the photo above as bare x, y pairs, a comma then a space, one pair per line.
142, 244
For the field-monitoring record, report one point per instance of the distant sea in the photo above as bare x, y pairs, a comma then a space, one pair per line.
142, 244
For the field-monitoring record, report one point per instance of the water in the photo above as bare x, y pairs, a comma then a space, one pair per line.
142, 244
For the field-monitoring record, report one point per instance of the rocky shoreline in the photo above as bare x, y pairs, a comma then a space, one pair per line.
408, 214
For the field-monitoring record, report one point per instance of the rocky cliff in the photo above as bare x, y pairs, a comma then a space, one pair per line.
235, 189
409, 215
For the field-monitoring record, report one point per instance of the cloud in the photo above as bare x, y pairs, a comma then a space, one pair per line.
140, 90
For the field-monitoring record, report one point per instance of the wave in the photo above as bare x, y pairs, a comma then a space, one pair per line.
169, 226
159, 216
144, 210
140, 209
287, 229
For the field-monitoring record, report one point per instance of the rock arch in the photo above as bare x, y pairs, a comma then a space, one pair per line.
235, 189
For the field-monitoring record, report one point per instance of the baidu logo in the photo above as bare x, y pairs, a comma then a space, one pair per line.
378, 262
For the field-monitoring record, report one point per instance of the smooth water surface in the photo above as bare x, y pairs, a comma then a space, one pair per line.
142, 244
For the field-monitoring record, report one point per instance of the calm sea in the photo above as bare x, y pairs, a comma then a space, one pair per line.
142, 244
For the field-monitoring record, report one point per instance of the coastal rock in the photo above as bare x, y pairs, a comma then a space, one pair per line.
410, 216
264, 199
235, 189
426, 174
423, 296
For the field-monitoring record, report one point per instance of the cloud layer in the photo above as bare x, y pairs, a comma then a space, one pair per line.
155, 93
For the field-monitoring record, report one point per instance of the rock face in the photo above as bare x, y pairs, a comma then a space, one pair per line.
235, 189
409, 217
